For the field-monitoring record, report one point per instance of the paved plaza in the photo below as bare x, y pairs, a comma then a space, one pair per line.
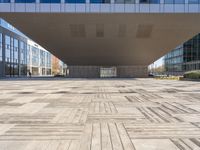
115, 114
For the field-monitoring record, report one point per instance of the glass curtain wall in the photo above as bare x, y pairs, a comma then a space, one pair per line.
23, 58
174, 60
42, 61
4, 1
191, 55
7, 56
25, 1
149, 1
185, 57
174, 1
35, 60
14, 51
125, 1
48, 63
1, 48
16, 57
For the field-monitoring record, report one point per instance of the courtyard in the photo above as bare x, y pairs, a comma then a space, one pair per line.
99, 114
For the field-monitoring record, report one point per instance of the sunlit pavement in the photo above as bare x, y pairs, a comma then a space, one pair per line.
115, 114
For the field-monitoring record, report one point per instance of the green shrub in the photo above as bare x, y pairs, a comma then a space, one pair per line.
192, 74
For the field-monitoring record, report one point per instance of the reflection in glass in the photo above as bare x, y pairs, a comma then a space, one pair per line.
193, 1
149, 1
25, 1
169, 1
7, 48
174, 1
50, 1
75, 1
4, 1
99, 1
179, 1
1, 48
129, 1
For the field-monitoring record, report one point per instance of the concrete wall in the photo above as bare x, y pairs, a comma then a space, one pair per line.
132, 71
84, 71
94, 71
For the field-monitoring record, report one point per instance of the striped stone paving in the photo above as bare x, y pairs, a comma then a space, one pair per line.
115, 114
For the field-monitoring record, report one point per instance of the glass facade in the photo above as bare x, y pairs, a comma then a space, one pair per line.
23, 58
149, 1
12, 57
25, 1
7, 55
1, 48
174, 60
4, 1
22, 55
186, 57
16, 56
50, 1
107, 1
125, 1
35, 54
174, 1
99, 1
75, 1
193, 1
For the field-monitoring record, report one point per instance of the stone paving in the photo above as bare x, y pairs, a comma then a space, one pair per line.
116, 114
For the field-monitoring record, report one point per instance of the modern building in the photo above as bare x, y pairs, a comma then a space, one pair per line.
185, 57
20, 55
38, 59
92, 34
58, 67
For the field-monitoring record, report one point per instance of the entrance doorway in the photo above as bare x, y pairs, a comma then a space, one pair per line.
108, 72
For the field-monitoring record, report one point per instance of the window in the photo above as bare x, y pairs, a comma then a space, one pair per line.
149, 1
11, 50
50, 1
154, 1
174, 1
129, 1
7, 49
119, 1
28, 54
25, 1
23, 52
75, 1
193, 1
1, 49
169, 1
179, 1
48, 59
99, 1
42, 58
125, 1
16, 50
35, 56
4, 1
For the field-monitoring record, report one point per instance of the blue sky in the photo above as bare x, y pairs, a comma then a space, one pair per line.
158, 62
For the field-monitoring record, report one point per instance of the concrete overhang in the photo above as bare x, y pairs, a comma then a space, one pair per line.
107, 38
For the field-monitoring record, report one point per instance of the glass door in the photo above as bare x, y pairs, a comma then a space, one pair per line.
108, 72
